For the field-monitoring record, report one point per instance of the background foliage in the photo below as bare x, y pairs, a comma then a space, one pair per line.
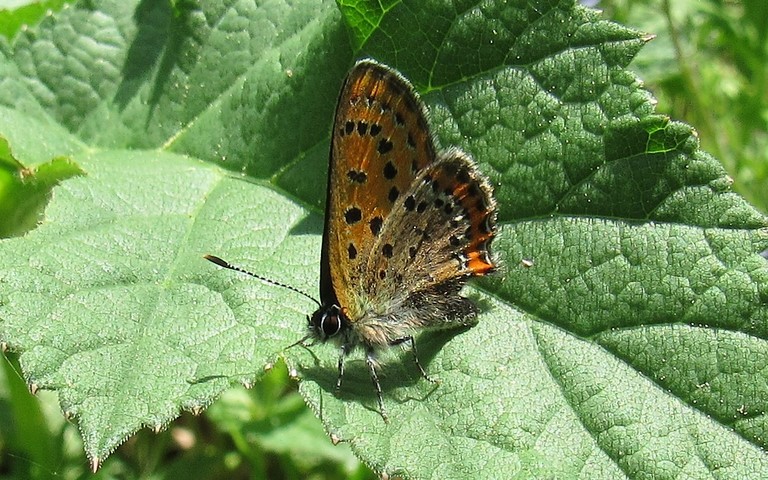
707, 66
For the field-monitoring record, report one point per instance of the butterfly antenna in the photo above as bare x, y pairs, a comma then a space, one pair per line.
223, 263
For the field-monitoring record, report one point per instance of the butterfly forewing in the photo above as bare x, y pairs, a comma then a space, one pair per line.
380, 142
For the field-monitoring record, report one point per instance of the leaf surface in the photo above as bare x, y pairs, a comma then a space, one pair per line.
623, 337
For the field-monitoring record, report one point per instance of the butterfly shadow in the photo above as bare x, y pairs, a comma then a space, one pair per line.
395, 372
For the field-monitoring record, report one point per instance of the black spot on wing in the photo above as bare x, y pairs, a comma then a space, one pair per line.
353, 215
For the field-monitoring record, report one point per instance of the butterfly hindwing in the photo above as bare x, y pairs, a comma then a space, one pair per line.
436, 237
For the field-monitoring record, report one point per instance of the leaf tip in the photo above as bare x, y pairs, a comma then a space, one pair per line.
95, 464
33, 388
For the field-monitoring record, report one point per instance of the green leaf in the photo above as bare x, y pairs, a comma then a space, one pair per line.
17, 14
623, 336
24, 191
363, 17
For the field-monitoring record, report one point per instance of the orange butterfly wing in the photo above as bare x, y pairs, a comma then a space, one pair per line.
380, 140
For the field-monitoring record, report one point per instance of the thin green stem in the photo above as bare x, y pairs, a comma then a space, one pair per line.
689, 79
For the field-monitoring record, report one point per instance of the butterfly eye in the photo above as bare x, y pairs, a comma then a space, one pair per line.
330, 324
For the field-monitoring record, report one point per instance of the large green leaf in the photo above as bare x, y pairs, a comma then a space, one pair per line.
623, 336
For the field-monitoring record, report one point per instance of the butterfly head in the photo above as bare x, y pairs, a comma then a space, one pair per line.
327, 322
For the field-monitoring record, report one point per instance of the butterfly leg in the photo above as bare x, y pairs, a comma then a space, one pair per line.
410, 340
370, 359
342, 354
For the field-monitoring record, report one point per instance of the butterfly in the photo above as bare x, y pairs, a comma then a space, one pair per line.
406, 225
